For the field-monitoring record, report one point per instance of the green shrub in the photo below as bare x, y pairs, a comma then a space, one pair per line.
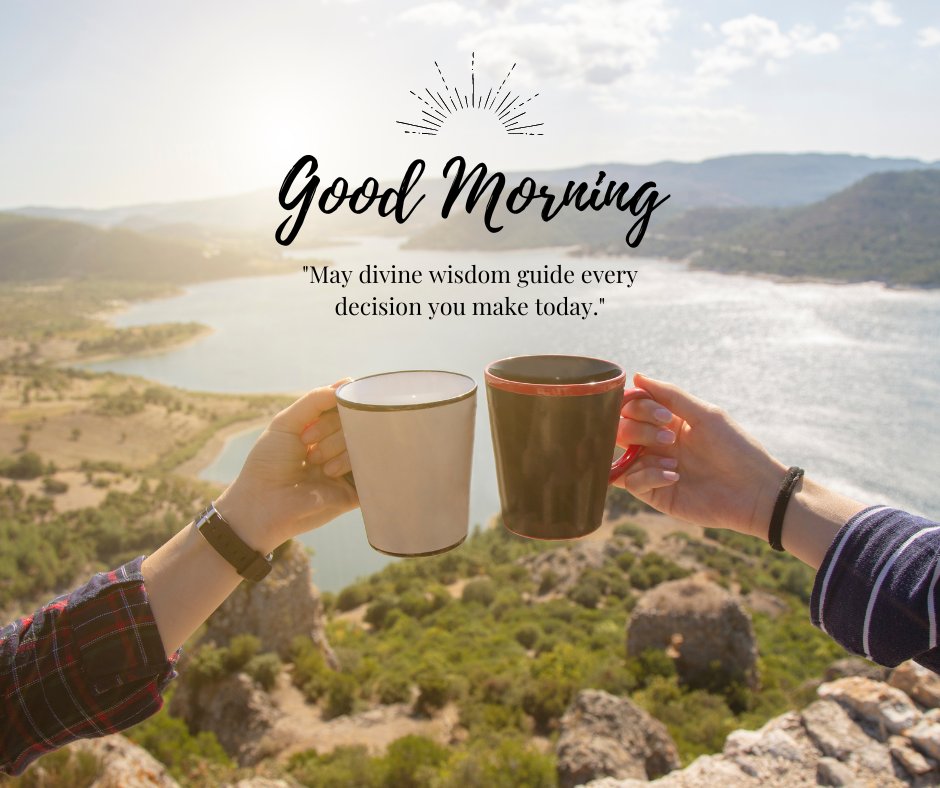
377, 614
208, 664
353, 596
586, 593
63, 769
395, 688
344, 767
241, 649
311, 673
548, 582
340, 695
264, 668
504, 763
634, 533
53, 486
482, 591
435, 688
528, 635
413, 761
168, 740
27, 465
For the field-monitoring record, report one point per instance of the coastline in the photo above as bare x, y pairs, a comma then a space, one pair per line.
213, 447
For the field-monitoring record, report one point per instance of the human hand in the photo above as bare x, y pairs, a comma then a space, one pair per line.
292, 478
698, 464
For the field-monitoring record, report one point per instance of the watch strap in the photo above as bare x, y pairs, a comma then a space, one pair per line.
247, 561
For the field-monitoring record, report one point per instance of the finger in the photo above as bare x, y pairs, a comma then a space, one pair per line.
630, 432
328, 448
306, 410
647, 410
327, 424
649, 473
691, 409
338, 466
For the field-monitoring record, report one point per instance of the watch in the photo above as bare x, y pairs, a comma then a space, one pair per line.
248, 562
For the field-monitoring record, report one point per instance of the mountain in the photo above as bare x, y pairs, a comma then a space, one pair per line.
43, 249
885, 228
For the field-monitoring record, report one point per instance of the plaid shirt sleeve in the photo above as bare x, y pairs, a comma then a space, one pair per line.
87, 664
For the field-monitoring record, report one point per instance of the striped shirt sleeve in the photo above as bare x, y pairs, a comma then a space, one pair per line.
87, 664
876, 591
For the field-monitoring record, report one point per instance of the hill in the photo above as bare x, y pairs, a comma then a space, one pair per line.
885, 228
43, 249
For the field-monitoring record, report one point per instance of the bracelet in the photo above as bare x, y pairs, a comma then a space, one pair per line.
775, 532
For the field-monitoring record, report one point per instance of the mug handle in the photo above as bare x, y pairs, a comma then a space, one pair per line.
627, 459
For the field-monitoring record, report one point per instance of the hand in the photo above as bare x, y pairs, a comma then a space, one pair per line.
698, 465
292, 480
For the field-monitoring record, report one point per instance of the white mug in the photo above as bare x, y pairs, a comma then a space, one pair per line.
410, 441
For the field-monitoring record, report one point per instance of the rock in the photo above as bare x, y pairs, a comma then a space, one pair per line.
603, 735
704, 624
830, 772
886, 709
856, 666
263, 782
832, 730
564, 565
235, 709
926, 734
919, 683
124, 764
834, 741
283, 605
913, 762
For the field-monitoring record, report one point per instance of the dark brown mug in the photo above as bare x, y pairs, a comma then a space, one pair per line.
554, 424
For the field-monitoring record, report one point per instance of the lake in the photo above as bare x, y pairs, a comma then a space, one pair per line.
843, 380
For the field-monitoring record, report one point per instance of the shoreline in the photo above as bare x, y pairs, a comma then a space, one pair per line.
213, 448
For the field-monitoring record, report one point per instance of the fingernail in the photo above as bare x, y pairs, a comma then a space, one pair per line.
339, 383
666, 436
668, 462
670, 476
662, 415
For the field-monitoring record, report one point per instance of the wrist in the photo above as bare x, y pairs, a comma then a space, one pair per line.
767, 487
250, 522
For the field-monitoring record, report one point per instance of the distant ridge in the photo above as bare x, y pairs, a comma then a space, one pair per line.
43, 249
886, 228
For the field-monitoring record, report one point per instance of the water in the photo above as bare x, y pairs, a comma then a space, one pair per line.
840, 379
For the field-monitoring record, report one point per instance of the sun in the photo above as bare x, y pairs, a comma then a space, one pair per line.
438, 108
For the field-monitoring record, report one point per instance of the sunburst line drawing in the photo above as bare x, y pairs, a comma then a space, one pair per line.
434, 114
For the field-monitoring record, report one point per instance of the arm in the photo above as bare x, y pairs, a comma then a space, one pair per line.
95, 661
878, 568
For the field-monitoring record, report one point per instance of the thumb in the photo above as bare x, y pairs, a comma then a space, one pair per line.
689, 408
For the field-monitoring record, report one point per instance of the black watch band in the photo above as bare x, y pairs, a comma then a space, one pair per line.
249, 563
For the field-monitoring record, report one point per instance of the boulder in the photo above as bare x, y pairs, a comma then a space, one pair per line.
840, 739
283, 605
702, 625
855, 666
564, 565
235, 709
123, 764
603, 735
918, 683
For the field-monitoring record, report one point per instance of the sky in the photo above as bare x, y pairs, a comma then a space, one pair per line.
114, 103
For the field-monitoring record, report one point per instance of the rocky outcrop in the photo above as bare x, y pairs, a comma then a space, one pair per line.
603, 735
558, 571
856, 666
236, 710
860, 732
701, 625
285, 604
123, 764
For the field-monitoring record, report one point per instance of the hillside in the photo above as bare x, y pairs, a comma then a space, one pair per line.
885, 228
43, 249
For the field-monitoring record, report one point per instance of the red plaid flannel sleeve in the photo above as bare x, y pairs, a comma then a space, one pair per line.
87, 664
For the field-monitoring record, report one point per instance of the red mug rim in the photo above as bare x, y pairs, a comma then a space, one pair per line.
555, 389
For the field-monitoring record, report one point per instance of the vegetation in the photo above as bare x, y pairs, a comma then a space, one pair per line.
63, 769
881, 229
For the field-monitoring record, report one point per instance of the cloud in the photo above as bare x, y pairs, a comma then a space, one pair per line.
592, 43
928, 37
877, 12
447, 13
752, 41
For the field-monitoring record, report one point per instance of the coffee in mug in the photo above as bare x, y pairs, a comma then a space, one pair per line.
554, 424
410, 442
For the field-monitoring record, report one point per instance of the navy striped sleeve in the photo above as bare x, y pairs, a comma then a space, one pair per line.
876, 591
